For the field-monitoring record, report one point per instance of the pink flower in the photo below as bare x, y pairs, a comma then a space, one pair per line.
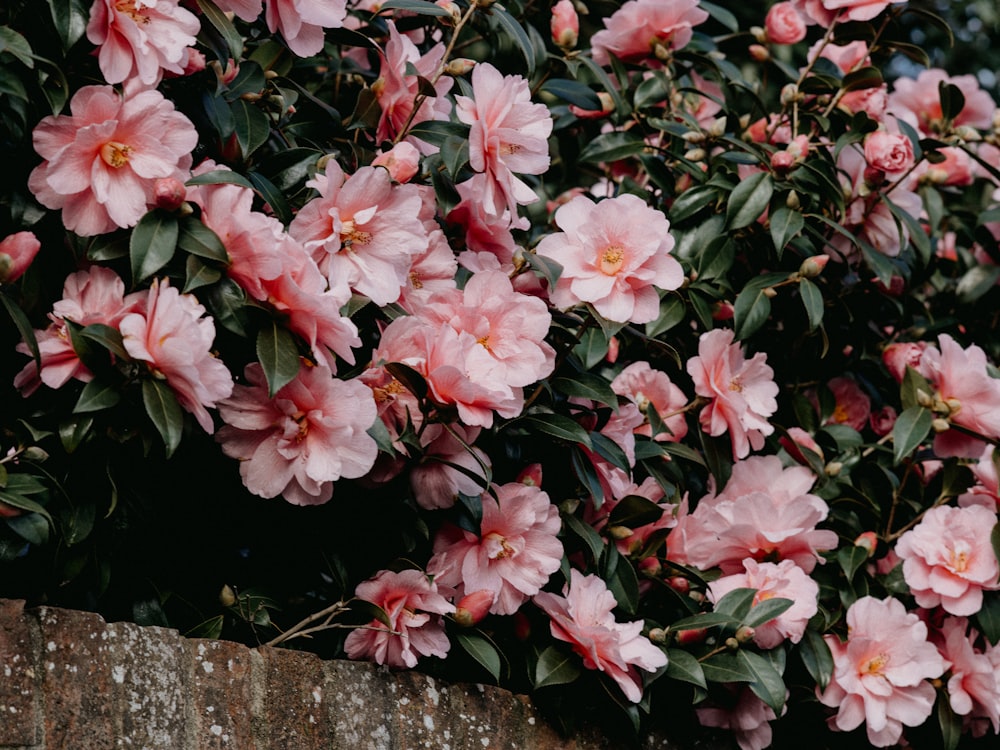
897, 357
175, 337
881, 673
301, 22
632, 541
883, 420
851, 404
507, 134
102, 162
435, 480
647, 387
891, 153
856, 10
16, 253
797, 440
765, 512
948, 559
514, 554
583, 617
402, 161
917, 101
784, 24
614, 255
141, 38
565, 25
986, 490
741, 392
786, 580
965, 386
361, 230
749, 719
632, 31
93, 296
487, 235
414, 608
312, 433
973, 684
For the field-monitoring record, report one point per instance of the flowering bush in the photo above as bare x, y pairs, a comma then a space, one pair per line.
648, 347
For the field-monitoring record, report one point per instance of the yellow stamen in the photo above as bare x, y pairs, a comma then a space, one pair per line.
612, 259
116, 154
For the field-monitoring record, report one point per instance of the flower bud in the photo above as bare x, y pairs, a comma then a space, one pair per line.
690, 637
531, 475
680, 584
953, 405
402, 161
968, 134
453, 10
718, 127
169, 193
613, 348
813, 266
732, 644
9, 511
693, 136
868, 541
619, 532
833, 468
460, 66
745, 633
227, 597
17, 251
789, 93
759, 52
940, 425
565, 24
658, 635
472, 608
770, 292
695, 154
784, 24
792, 200
759, 34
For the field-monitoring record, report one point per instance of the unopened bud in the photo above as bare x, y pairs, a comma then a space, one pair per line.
954, 405
619, 532
34, 453
472, 608
868, 541
759, 34
680, 584
694, 136
924, 399
792, 200
460, 66
565, 24
661, 52
968, 134
453, 10
813, 266
658, 635
227, 597
789, 93
531, 475
732, 644
614, 346
745, 633
770, 292
718, 127
169, 193
940, 425
695, 154
696, 596
690, 637
759, 52
322, 161
833, 468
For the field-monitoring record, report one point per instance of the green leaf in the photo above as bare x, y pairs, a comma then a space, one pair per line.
988, 616
253, 127
199, 274
737, 603
850, 559
96, 396
949, 721
653, 91
585, 532
918, 237
163, 409
751, 311
227, 302
517, 34
549, 269
785, 223
23, 326
555, 667
436, 132
913, 383
976, 282
609, 450
863, 78
554, 425
480, 649
767, 683
634, 511
816, 658
812, 300
370, 611
73, 432
31, 527
727, 668
70, 18
691, 201
584, 470
77, 523
748, 200
18, 500
909, 431
224, 26
107, 337
278, 355
621, 110
720, 14
420, 7
766, 610
952, 100
195, 238
455, 155
221, 177
613, 146
683, 666
273, 197
705, 620
153, 243
622, 581
13, 43
589, 386
574, 92
672, 312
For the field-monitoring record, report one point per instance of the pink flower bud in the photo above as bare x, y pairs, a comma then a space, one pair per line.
402, 161
883, 420
472, 608
460, 66
565, 24
691, 637
680, 584
782, 161
607, 107
745, 634
784, 24
613, 347
896, 357
759, 52
9, 511
868, 541
723, 311
798, 439
531, 475
813, 266
889, 152
16, 253
169, 193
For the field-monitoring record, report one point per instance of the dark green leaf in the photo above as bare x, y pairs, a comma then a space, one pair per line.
436, 132
816, 658
748, 200
751, 311
913, 384
976, 282
253, 127
622, 581
601, 75
727, 668
517, 34
634, 511
785, 223
13, 43
952, 100
482, 651
683, 666
420, 7
23, 326
589, 386
164, 411
153, 243
949, 721
70, 18
812, 300
850, 559
767, 683
863, 78
107, 337
554, 425
556, 667
585, 532
455, 154
227, 302
613, 146
18, 500
705, 620
909, 431
766, 610
653, 91
717, 258
672, 312
96, 396
78, 522
988, 616
720, 14
736, 603
31, 527
73, 432
371, 611
199, 274
574, 92
224, 26
195, 238
221, 177
278, 355
273, 197
609, 450
584, 470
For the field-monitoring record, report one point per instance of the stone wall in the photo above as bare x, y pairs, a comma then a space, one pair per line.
70, 681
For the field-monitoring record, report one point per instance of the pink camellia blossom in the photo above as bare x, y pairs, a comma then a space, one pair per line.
297, 444
646, 388
402, 161
958, 169
487, 235
174, 336
614, 255
93, 296
741, 391
508, 134
414, 608
436, 482
891, 153
917, 101
565, 25
765, 512
17, 251
513, 555
797, 440
897, 357
948, 560
986, 490
102, 162
633, 31
784, 580
851, 404
883, 420
856, 10
583, 617
973, 682
398, 87
784, 24
749, 719
140, 39
963, 383
301, 22
360, 229
880, 675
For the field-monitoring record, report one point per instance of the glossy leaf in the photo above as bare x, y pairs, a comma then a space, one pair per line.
199, 274
164, 411
812, 300
683, 666
588, 386
909, 431
221, 177
252, 126
96, 396
279, 356
556, 667
988, 617
420, 7
766, 682
726, 667
196, 238
23, 326
748, 200
220, 21
515, 31
766, 610
633, 511
613, 147
480, 649
153, 243
784, 224
586, 533
555, 425
573, 92
70, 18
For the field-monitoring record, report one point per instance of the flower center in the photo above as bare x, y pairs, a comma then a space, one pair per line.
415, 280
497, 546
350, 235
115, 154
506, 149
958, 557
612, 259
736, 385
303, 422
839, 414
875, 665
130, 9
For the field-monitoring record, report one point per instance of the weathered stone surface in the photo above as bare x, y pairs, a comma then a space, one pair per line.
17, 677
295, 700
222, 704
